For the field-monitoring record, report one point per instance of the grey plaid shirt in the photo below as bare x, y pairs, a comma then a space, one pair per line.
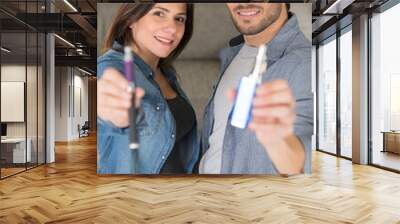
289, 58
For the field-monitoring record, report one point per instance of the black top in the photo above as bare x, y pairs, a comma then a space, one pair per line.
184, 120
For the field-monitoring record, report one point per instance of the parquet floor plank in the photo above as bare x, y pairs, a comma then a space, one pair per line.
70, 191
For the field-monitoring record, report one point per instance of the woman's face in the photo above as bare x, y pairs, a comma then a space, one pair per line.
159, 32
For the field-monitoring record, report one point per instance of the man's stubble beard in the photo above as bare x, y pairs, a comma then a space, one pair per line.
261, 26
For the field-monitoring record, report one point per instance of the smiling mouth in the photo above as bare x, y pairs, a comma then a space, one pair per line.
164, 40
248, 12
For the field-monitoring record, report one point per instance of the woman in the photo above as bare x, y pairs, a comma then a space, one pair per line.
166, 126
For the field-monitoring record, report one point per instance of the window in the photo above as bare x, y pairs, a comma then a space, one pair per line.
385, 89
327, 96
346, 93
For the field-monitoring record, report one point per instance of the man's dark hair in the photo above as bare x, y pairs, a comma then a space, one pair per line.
287, 7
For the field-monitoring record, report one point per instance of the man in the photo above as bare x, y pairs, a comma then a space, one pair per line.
278, 138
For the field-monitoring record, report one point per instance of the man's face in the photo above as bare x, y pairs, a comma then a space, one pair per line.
252, 18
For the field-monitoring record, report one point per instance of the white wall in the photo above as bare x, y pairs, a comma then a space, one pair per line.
61, 103
69, 85
33, 126
79, 117
12, 73
303, 12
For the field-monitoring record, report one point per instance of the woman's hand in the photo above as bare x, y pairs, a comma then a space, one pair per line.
114, 98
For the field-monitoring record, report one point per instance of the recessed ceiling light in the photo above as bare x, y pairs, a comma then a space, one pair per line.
70, 5
64, 40
5, 50
337, 7
86, 72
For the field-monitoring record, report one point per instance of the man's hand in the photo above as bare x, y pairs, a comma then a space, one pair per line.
273, 112
114, 98
273, 117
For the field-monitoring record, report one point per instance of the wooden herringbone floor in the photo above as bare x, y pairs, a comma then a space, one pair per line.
70, 191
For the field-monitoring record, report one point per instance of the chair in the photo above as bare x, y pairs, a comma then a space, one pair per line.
84, 130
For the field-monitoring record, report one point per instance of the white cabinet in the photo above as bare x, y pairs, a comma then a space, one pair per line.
18, 145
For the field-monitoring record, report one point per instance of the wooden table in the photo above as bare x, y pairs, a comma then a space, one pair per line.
391, 141
13, 150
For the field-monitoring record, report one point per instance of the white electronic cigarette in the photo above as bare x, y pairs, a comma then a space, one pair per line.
241, 114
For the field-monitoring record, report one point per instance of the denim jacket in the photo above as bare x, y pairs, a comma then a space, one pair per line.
155, 126
289, 58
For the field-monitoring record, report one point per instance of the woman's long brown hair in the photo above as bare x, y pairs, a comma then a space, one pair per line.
129, 13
